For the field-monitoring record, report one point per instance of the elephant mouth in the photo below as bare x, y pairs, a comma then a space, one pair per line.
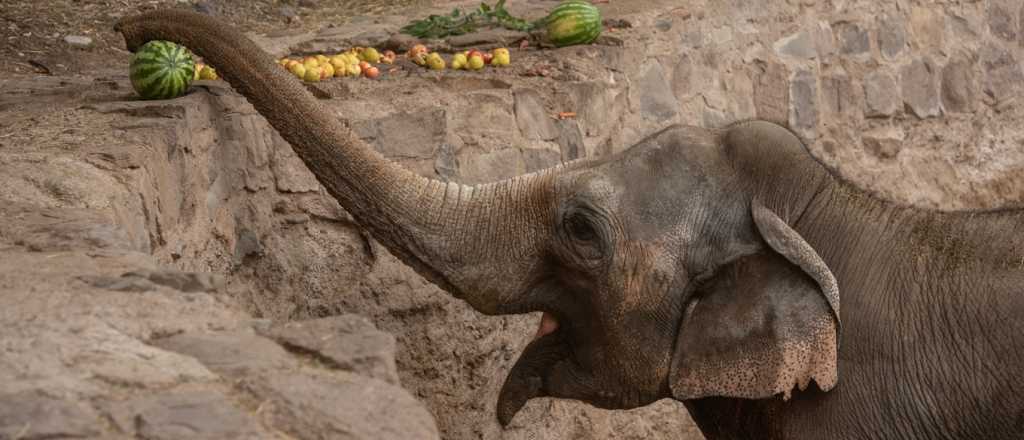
548, 367
527, 379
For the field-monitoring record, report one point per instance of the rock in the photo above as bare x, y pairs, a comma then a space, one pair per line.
919, 88
247, 244
839, 94
205, 7
290, 174
803, 111
54, 229
536, 159
595, 107
133, 364
959, 88
853, 39
305, 405
883, 143
288, 13
692, 39
145, 280
415, 134
892, 36
928, 26
824, 42
881, 94
570, 139
771, 92
532, 118
491, 166
347, 342
307, 3
1001, 16
655, 103
183, 281
1003, 75
663, 24
798, 45
232, 353
446, 165
78, 41
682, 75
33, 416
171, 415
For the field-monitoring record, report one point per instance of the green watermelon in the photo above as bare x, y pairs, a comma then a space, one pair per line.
161, 70
573, 22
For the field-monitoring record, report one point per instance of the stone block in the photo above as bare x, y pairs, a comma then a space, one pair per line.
852, 37
881, 94
918, 84
799, 45
928, 25
839, 95
655, 103
1001, 16
892, 36
532, 118
959, 85
771, 92
803, 110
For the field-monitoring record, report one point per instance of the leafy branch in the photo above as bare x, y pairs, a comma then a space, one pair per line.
460, 22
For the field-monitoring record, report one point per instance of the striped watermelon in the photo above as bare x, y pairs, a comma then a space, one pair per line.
573, 22
161, 70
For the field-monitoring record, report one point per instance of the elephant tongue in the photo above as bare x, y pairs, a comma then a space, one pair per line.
548, 325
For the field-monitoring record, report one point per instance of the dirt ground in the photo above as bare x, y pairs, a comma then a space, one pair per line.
32, 32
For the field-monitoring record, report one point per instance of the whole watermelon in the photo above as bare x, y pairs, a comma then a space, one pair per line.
161, 70
573, 22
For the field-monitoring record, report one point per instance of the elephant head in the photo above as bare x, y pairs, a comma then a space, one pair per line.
669, 270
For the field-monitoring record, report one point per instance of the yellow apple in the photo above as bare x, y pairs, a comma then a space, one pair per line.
476, 62
435, 62
208, 73
298, 69
370, 54
328, 70
313, 75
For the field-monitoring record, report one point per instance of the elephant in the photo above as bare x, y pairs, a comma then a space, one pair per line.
725, 268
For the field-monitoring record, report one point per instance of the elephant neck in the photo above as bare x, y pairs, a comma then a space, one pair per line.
849, 226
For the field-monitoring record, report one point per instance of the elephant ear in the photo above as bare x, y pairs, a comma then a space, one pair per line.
762, 324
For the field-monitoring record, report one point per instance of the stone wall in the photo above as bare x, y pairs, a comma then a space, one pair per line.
915, 100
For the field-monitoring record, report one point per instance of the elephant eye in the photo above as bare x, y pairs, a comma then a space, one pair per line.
584, 237
580, 229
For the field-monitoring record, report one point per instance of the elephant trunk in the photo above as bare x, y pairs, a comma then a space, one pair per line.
452, 234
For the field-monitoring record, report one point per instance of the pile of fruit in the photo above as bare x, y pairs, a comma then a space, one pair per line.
364, 62
355, 62
468, 60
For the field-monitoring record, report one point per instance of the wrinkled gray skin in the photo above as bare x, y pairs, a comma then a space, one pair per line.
707, 266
